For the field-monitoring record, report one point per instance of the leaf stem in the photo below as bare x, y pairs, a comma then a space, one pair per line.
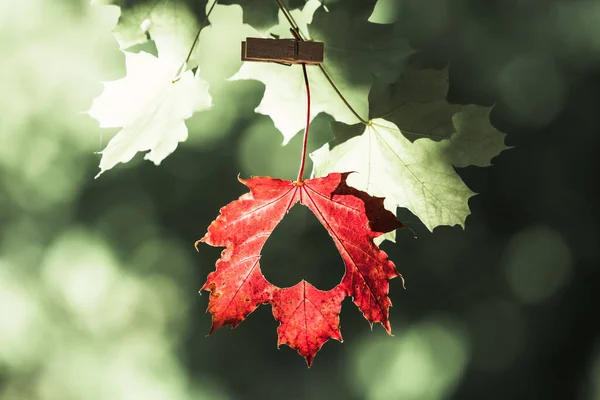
341, 96
196, 38
301, 37
288, 15
305, 139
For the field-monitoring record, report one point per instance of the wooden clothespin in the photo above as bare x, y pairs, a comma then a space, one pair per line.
284, 51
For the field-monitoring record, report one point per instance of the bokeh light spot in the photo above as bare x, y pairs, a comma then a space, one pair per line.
533, 88
538, 264
424, 362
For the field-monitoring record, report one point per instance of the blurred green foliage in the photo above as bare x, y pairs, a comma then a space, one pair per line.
99, 278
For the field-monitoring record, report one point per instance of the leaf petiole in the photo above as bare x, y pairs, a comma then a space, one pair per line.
305, 139
300, 37
341, 96
183, 67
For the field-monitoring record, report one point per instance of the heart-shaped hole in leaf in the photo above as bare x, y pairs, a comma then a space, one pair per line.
300, 248
308, 316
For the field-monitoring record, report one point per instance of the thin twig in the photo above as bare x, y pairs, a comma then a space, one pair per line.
298, 35
326, 75
187, 59
288, 15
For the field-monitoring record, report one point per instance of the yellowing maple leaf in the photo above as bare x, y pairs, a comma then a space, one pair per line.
418, 175
149, 107
355, 51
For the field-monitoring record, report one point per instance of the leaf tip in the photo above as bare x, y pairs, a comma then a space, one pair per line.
242, 180
387, 326
309, 360
213, 328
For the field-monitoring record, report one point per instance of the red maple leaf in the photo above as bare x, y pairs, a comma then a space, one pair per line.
308, 316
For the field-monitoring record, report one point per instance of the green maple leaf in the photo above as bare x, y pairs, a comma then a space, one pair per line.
355, 52
171, 24
262, 14
417, 104
155, 98
149, 107
218, 52
386, 11
407, 151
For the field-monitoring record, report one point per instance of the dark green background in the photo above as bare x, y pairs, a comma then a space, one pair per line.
538, 61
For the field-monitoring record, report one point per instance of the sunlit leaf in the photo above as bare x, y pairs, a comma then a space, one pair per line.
308, 317
149, 107
356, 51
408, 151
